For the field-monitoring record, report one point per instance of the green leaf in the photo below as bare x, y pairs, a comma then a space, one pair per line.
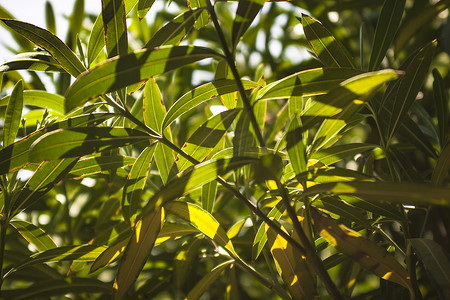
351, 91
207, 280
336, 153
436, 263
76, 142
234, 230
203, 19
205, 138
441, 106
164, 160
176, 30
323, 175
50, 17
306, 83
440, 171
58, 287
330, 52
387, 26
51, 43
292, 266
136, 180
122, 71
53, 102
402, 193
15, 156
115, 26
33, 61
137, 251
154, 109
143, 7
414, 25
245, 14
209, 192
47, 175
75, 23
367, 253
295, 147
186, 258
83, 253
380, 208
100, 164
34, 235
201, 94
410, 85
202, 220
13, 114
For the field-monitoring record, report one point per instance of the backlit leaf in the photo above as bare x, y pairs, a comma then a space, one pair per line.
13, 114
114, 24
324, 45
295, 147
336, 153
73, 142
34, 235
143, 7
100, 164
33, 61
51, 43
367, 253
120, 72
203, 19
39, 98
245, 14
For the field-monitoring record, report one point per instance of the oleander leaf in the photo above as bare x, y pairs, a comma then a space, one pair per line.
143, 7
295, 146
368, 254
13, 114
387, 26
441, 106
51, 43
53, 102
330, 52
100, 164
122, 71
33, 61
246, 12
201, 94
80, 141
442, 167
137, 251
334, 154
203, 18
115, 27
34, 235
306, 83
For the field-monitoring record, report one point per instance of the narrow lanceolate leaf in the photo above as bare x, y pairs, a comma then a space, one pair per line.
245, 14
442, 166
353, 90
201, 94
47, 175
306, 83
202, 220
336, 153
51, 43
261, 236
59, 287
13, 114
401, 193
295, 147
367, 253
176, 30
34, 235
324, 45
76, 142
436, 263
154, 109
100, 164
82, 253
120, 72
33, 61
143, 7
441, 106
292, 266
209, 192
50, 17
203, 18
115, 26
164, 159
136, 179
203, 285
387, 26
205, 138
410, 85
15, 156
43, 99
137, 251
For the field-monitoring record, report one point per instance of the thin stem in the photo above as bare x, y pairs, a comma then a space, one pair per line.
230, 60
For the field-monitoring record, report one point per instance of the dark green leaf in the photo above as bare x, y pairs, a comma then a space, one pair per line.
442, 166
120, 72
441, 106
336, 153
100, 164
387, 26
245, 14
